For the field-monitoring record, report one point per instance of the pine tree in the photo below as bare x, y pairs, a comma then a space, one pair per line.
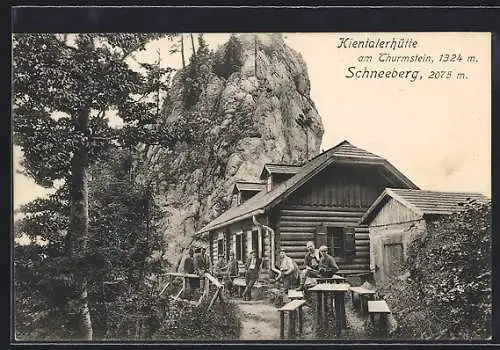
62, 92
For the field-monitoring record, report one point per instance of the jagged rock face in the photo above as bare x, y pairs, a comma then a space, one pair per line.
245, 116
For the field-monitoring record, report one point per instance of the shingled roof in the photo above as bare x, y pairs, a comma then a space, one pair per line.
423, 202
262, 201
248, 186
278, 169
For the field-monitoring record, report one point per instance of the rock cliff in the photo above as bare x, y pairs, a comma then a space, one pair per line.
238, 108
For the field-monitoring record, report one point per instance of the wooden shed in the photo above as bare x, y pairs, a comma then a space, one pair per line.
399, 216
321, 200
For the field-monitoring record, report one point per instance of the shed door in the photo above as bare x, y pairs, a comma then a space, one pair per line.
393, 256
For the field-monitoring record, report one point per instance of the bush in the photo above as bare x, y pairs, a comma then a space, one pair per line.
447, 293
149, 317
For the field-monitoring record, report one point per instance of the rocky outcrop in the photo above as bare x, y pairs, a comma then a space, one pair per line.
248, 105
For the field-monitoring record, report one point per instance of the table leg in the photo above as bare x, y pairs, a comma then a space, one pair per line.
383, 324
363, 300
325, 309
282, 324
291, 324
301, 320
339, 311
319, 308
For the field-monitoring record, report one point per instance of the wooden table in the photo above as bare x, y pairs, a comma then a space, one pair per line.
292, 308
333, 279
364, 296
295, 294
324, 293
379, 307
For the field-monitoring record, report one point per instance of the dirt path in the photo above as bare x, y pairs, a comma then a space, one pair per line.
260, 320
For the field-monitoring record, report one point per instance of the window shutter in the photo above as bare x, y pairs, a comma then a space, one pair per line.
349, 242
321, 236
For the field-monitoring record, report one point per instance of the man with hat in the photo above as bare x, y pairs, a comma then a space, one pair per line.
231, 273
252, 268
327, 265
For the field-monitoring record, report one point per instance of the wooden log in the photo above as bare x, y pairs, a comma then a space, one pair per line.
310, 230
296, 255
320, 213
301, 248
296, 236
302, 221
284, 224
355, 267
362, 248
293, 243
299, 207
320, 218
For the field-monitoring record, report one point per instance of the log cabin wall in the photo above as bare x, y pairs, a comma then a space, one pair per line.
335, 199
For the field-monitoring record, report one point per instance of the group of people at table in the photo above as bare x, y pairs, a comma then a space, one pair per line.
317, 263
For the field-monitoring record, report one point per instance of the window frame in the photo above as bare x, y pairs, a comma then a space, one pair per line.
339, 232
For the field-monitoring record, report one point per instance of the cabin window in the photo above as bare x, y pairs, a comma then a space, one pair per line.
335, 242
240, 247
269, 183
220, 247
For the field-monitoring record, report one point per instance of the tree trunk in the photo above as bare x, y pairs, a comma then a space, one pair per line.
182, 52
78, 233
192, 45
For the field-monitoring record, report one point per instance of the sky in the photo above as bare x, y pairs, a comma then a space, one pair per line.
435, 131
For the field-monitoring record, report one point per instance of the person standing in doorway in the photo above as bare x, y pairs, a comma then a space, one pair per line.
252, 268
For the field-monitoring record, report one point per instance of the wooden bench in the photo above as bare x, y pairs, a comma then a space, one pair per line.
380, 308
364, 296
240, 284
293, 307
295, 294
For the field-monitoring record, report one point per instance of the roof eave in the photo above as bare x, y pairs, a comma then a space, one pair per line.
207, 228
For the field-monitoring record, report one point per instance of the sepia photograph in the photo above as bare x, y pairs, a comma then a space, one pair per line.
252, 186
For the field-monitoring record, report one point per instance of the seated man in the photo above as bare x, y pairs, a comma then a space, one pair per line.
327, 265
288, 270
220, 266
311, 264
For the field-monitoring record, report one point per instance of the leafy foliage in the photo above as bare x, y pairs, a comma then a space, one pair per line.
231, 60
196, 74
447, 294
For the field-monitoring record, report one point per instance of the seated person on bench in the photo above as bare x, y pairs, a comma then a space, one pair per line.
327, 265
311, 264
220, 266
288, 271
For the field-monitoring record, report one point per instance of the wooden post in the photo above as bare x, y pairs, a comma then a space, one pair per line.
318, 310
325, 309
282, 324
383, 324
340, 309
291, 324
301, 320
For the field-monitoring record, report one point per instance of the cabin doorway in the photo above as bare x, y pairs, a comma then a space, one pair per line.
393, 259
258, 248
